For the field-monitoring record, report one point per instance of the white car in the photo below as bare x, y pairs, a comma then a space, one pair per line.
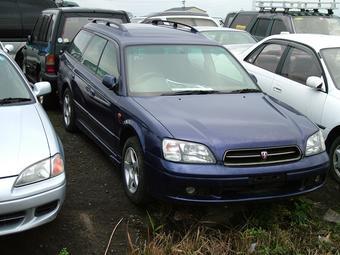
303, 71
236, 41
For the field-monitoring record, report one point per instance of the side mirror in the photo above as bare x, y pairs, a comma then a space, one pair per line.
29, 39
314, 82
9, 48
253, 77
42, 88
110, 81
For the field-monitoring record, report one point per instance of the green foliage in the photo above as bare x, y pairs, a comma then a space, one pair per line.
64, 252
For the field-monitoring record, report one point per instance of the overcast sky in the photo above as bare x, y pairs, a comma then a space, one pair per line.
143, 7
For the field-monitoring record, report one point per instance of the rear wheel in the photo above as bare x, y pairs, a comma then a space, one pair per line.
334, 154
68, 111
133, 171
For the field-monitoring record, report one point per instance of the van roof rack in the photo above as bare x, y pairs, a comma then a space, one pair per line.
108, 23
287, 6
173, 24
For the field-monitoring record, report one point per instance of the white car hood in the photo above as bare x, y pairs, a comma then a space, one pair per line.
23, 140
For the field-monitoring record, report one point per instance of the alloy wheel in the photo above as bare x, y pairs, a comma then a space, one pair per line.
336, 161
67, 109
131, 170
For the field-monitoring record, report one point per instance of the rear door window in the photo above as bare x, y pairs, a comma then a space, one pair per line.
93, 53
242, 20
278, 27
269, 57
79, 44
109, 62
299, 65
261, 27
10, 20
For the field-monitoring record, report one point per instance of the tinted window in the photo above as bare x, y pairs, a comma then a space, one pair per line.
11, 83
269, 57
37, 29
109, 62
93, 53
10, 20
242, 20
317, 25
44, 28
31, 10
51, 27
278, 27
260, 28
299, 65
79, 44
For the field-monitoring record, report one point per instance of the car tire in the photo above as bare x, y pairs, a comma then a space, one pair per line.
334, 155
133, 171
68, 111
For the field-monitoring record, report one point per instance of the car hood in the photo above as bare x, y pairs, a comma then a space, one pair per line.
23, 139
229, 121
238, 49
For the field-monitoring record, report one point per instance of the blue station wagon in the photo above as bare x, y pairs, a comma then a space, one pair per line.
183, 119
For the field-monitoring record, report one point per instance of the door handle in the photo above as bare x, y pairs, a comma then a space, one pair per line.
91, 91
276, 89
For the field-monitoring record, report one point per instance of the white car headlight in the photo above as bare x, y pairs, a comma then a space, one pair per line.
315, 144
41, 171
187, 152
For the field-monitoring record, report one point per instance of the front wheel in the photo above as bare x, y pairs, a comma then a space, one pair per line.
68, 111
334, 154
133, 171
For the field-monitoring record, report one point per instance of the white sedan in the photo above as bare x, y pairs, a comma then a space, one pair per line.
303, 70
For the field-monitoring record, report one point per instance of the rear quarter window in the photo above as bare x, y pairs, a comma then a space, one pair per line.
79, 44
261, 27
242, 20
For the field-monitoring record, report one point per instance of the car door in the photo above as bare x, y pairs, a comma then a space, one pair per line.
263, 63
290, 84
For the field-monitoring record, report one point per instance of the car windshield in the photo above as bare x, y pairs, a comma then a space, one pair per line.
332, 60
12, 86
184, 69
225, 37
317, 25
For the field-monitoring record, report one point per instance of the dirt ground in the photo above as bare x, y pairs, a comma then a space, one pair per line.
95, 202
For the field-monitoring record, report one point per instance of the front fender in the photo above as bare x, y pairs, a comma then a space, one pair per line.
129, 123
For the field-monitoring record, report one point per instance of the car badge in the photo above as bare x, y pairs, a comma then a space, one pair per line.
264, 155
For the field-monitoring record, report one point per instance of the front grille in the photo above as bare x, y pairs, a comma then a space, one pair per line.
264, 156
11, 219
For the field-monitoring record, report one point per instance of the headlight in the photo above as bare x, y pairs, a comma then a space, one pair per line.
315, 144
41, 171
186, 152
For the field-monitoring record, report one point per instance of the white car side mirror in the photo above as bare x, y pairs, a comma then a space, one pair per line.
9, 48
42, 88
314, 82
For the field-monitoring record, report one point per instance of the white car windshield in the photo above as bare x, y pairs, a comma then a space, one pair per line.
229, 37
317, 25
174, 69
332, 60
12, 86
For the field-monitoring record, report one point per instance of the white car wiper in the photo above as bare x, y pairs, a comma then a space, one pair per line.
12, 100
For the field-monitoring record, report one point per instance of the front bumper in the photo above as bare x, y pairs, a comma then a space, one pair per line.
238, 184
24, 213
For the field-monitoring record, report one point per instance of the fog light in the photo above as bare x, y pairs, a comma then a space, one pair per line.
317, 179
190, 190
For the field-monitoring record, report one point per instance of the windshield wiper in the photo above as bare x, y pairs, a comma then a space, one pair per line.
240, 91
192, 92
12, 100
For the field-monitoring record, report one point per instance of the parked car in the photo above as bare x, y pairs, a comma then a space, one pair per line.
184, 17
53, 32
195, 128
17, 21
236, 41
277, 17
32, 178
303, 72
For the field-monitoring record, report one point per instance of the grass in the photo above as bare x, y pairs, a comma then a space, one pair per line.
291, 227
64, 252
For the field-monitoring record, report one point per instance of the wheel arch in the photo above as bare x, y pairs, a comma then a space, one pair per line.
332, 135
131, 128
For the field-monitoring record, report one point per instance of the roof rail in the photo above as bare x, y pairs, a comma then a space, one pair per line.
174, 24
108, 23
302, 6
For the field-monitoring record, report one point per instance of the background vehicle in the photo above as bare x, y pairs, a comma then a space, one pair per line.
192, 129
17, 22
32, 178
52, 33
297, 17
303, 71
237, 41
188, 18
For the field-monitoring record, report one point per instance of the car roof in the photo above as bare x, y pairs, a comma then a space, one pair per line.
82, 10
204, 29
136, 34
316, 41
